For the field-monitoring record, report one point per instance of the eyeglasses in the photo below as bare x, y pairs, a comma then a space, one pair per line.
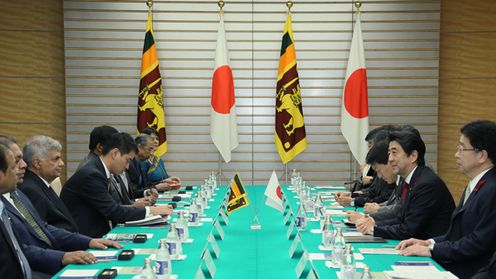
460, 149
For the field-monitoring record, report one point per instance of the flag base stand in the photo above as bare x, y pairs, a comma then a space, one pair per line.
255, 224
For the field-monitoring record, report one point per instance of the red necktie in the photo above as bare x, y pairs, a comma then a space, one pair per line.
404, 191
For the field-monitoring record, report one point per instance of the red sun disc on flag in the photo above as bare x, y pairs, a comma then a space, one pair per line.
355, 94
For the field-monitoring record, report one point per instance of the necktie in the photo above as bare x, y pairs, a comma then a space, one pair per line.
29, 218
404, 191
466, 195
7, 228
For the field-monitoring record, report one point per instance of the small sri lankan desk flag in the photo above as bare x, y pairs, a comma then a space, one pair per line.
150, 98
290, 135
238, 197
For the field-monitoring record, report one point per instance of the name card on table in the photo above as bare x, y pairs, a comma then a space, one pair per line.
209, 262
222, 214
218, 229
302, 263
296, 242
213, 244
291, 228
287, 218
312, 274
199, 273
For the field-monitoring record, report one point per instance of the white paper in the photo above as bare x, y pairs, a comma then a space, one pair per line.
353, 234
379, 251
413, 272
330, 264
316, 231
335, 212
206, 220
79, 272
104, 253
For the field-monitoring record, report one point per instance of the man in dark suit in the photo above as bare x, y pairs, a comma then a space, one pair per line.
470, 241
14, 263
98, 136
87, 196
487, 272
47, 248
427, 202
44, 159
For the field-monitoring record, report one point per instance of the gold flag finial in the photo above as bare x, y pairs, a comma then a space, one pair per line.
221, 4
149, 3
289, 4
358, 5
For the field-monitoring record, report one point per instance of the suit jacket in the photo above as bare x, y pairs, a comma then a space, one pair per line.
49, 206
137, 181
426, 212
10, 267
470, 240
487, 272
378, 192
87, 196
41, 256
119, 191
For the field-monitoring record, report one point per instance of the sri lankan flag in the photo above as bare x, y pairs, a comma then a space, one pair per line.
238, 197
290, 135
150, 98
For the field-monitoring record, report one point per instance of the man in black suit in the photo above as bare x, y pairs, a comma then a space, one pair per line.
470, 241
98, 136
47, 248
44, 160
87, 196
14, 263
427, 202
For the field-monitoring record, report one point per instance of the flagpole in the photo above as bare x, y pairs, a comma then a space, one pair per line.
353, 174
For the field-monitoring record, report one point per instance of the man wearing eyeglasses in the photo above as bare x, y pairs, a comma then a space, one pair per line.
470, 241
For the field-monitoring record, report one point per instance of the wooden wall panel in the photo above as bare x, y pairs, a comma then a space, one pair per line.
32, 70
467, 77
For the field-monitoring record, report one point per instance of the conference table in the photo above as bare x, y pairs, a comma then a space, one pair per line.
243, 252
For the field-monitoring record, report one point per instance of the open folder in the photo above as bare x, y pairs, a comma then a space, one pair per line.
364, 239
152, 220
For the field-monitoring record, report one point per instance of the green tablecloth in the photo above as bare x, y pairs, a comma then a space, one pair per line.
246, 253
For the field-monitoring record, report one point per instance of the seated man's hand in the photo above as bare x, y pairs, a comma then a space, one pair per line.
152, 193
103, 244
416, 250
143, 202
365, 225
366, 180
78, 257
371, 207
412, 241
163, 186
173, 180
161, 210
344, 201
353, 216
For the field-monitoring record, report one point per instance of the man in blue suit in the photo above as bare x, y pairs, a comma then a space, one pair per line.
14, 263
47, 248
470, 241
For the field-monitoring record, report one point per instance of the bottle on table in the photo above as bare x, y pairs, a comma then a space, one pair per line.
327, 233
163, 268
147, 271
348, 265
301, 217
182, 227
173, 242
366, 273
294, 177
194, 218
338, 247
